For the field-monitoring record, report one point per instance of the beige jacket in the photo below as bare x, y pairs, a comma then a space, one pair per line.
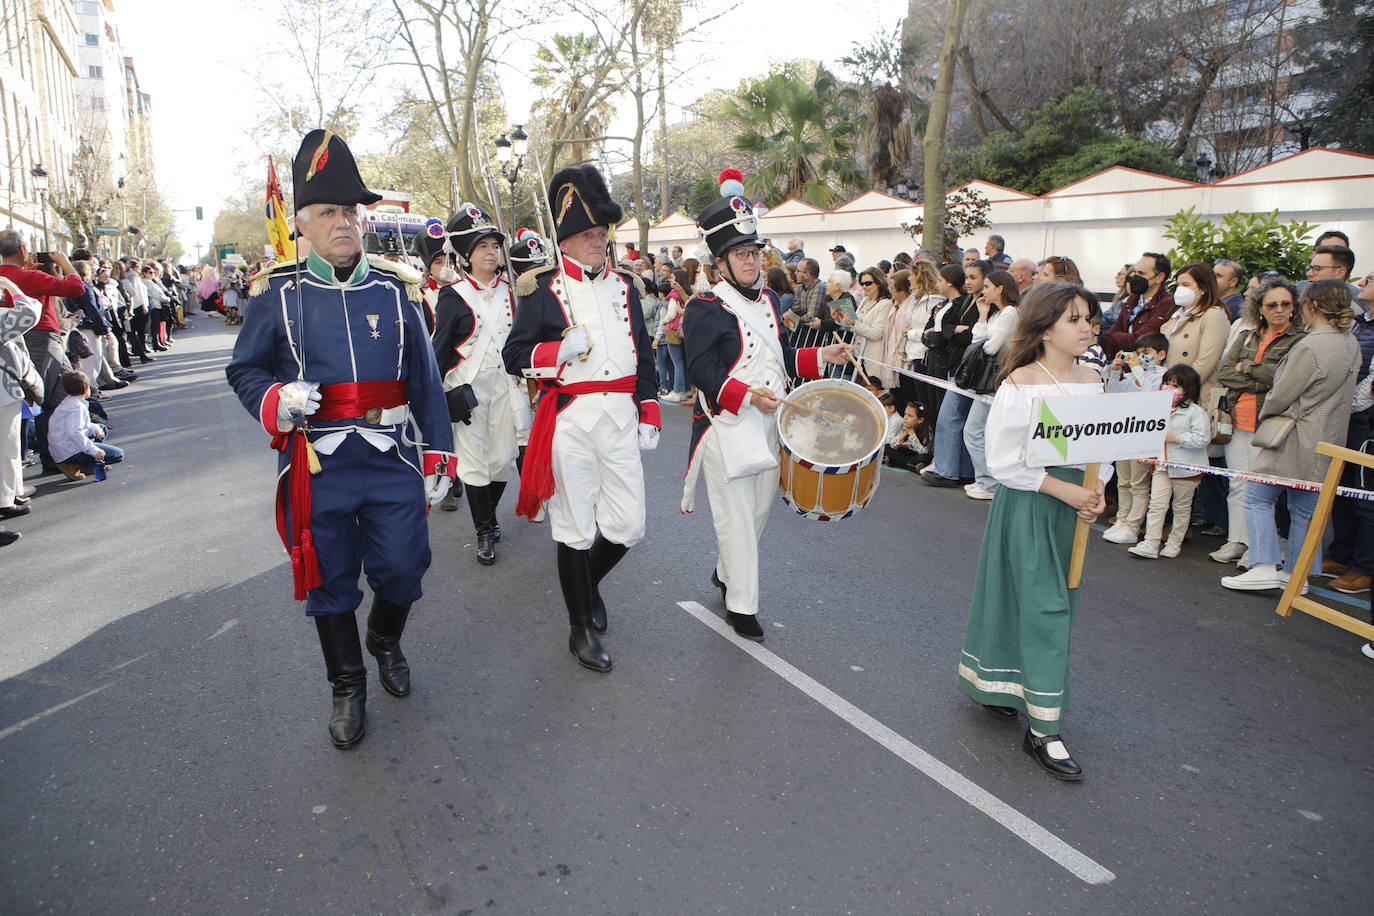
1315, 385
1198, 341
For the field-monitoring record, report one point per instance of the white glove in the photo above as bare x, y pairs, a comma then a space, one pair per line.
575, 343
648, 437
296, 401
436, 488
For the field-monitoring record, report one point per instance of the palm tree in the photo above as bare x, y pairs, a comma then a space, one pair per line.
800, 128
575, 108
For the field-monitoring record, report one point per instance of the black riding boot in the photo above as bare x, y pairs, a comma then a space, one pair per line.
384, 626
479, 501
343, 663
497, 488
604, 555
575, 576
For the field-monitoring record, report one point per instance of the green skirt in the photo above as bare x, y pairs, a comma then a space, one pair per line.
1016, 647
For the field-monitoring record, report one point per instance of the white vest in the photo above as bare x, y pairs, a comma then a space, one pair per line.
602, 307
492, 311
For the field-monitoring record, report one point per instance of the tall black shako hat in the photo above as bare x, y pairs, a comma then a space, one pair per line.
467, 227
325, 172
429, 241
529, 251
729, 222
580, 200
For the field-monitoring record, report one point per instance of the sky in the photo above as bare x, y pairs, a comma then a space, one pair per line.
204, 102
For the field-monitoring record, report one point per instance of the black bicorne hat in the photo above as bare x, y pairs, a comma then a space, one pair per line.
529, 252
325, 172
729, 222
469, 226
580, 201
429, 242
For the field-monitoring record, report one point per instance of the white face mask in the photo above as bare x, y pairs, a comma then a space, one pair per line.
1185, 296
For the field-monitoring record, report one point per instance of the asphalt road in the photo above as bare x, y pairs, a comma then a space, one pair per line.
163, 709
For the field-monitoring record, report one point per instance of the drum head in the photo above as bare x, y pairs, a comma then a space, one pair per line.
853, 437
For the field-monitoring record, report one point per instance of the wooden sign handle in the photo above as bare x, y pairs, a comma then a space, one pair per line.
1080, 533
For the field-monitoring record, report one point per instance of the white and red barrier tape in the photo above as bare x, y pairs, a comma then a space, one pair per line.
1352, 492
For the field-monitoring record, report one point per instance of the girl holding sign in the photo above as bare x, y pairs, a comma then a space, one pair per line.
1016, 648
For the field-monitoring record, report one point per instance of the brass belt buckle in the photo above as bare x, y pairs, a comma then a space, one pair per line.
373, 415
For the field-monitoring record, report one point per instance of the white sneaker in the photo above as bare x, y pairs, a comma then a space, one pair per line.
1120, 534
974, 491
1260, 578
1368, 649
1244, 562
1170, 550
1284, 577
1145, 550
1229, 552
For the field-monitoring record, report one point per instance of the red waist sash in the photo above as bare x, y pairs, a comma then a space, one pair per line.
536, 478
353, 399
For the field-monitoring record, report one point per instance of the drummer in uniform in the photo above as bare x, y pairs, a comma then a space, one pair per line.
739, 362
473, 318
579, 330
334, 361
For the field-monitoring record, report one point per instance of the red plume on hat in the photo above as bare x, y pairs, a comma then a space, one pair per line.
731, 183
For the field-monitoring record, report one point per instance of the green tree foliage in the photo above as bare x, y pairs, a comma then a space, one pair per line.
1064, 140
799, 126
1343, 65
1257, 241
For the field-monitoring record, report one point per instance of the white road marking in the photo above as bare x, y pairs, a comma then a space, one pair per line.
1060, 852
49, 711
224, 628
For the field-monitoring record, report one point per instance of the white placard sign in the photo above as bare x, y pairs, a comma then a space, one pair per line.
1109, 427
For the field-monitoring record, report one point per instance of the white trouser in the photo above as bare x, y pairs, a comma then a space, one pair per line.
486, 449
11, 469
91, 364
1240, 456
599, 483
111, 351
739, 513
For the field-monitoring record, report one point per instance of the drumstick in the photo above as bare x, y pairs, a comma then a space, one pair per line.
839, 339
765, 393
1080, 534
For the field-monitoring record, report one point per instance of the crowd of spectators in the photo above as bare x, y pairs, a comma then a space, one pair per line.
1232, 350
74, 330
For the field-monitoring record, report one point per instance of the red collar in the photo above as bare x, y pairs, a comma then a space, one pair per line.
575, 271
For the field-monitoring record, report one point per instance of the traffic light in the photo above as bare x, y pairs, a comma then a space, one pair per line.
200, 214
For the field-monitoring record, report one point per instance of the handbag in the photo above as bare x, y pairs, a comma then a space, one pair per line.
462, 401
1220, 417
977, 371
1272, 432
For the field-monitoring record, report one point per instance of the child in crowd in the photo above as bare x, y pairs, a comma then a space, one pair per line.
72, 436
1185, 441
909, 441
1142, 370
1094, 356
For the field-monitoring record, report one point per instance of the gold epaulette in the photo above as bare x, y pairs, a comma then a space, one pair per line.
403, 272
257, 282
527, 281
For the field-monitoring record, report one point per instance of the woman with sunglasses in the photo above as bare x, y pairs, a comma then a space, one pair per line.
873, 334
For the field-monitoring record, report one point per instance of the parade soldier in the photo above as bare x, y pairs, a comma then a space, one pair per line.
579, 330
739, 363
334, 361
472, 319
437, 271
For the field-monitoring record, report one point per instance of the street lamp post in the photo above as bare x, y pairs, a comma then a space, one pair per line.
507, 149
40, 184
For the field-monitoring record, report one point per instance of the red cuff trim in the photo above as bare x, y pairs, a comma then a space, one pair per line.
649, 413
444, 464
267, 411
809, 362
732, 395
544, 360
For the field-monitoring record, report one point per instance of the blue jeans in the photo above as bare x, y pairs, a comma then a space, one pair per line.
665, 366
975, 440
1264, 530
951, 458
113, 455
679, 371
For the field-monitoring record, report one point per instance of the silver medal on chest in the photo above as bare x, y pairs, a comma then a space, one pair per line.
372, 323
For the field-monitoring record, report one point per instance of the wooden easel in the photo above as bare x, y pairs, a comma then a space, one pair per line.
1316, 528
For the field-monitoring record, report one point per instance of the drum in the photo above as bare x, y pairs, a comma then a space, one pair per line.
828, 468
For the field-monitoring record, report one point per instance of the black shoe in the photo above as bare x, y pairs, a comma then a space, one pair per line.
935, 479
385, 623
1065, 769
602, 558
486, 546
1213, 531
1001, 712
14, 511
8, 537
145, 358
117, 384
715, 580
343, 661
746, 625
575, 577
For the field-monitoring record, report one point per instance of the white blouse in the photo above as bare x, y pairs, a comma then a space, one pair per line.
1009, 425
996, 330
